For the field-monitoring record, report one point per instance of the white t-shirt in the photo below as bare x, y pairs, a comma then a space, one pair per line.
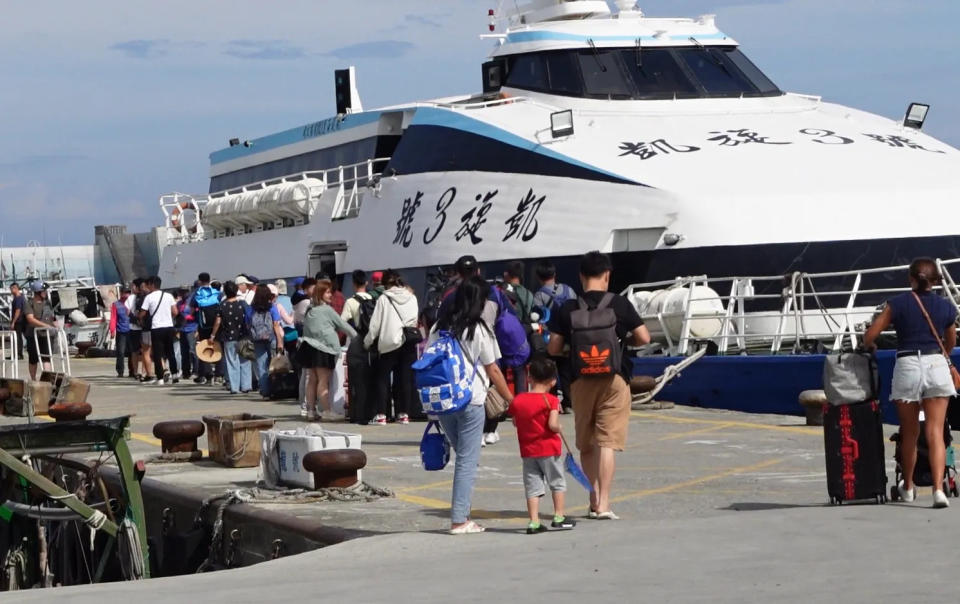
132, 310
481, 350
158, 305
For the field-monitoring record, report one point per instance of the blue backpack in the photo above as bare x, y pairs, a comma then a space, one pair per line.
511, 336
443, 377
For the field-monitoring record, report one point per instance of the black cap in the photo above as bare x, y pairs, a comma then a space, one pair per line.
466, 264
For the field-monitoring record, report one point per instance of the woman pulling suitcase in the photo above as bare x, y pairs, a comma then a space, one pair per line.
926, 334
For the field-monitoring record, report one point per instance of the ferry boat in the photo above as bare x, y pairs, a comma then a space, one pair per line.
656, 140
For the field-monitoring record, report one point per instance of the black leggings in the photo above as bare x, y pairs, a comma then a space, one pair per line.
397, 363
162, 347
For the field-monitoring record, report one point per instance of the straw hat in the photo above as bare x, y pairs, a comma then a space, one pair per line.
209, 353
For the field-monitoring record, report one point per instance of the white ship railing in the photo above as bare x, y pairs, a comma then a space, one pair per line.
345, 186
834, 318
9, 355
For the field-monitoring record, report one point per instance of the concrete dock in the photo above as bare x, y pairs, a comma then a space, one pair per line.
715, 506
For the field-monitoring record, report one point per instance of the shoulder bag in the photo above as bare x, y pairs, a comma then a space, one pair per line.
954, 374
410, 334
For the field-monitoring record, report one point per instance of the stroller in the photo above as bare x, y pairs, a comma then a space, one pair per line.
922, 476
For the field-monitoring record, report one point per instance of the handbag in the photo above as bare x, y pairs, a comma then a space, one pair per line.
434, 448
495, 405
850, 377
280, 364
245, 349
954, 374
410, 334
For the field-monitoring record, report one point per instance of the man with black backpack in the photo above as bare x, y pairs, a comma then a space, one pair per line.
597, 326
357, 311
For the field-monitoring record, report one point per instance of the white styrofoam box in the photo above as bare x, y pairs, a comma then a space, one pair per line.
292, 445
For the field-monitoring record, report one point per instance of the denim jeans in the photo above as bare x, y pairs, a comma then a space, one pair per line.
238, 370
121, 342
188, 354
464, 430
263, 350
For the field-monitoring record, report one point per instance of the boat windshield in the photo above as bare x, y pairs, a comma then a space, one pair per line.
640, 73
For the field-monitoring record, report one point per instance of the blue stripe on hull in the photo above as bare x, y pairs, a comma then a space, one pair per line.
757, 384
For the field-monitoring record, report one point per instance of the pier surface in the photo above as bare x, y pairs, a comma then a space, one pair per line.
715, 506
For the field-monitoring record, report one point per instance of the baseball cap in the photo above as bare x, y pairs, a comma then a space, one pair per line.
298, 282
273, 289
377, 276
241, 280
466, 264
37, 286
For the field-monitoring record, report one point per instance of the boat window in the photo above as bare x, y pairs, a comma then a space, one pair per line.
528, 71
657, 75
644, 73
603, 74
564, 74
745, 65
715, 72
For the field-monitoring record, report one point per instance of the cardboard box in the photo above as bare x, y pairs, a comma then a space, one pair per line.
76, 390
293, 446
41, 395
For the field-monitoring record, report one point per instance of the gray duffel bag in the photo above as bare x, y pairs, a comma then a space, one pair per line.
850, 377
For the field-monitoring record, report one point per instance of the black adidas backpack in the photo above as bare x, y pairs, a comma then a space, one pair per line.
594, 346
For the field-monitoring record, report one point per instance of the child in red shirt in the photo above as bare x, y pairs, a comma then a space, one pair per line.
536, 414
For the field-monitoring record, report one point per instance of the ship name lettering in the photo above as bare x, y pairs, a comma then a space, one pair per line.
475, 218
443, 204
647, 150
523, 225
742, 136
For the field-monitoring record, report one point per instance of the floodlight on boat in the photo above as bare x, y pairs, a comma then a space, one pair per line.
916, 115
234, 142
247, 144
561, 123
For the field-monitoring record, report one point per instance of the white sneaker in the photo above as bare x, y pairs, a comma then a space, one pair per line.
159, 382
378, 420
490, 438
905, 495
940, 500
303, 409
330, 416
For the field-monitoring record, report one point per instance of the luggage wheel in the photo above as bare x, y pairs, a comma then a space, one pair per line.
894, 493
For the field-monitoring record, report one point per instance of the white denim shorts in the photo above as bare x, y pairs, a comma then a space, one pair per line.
919, 377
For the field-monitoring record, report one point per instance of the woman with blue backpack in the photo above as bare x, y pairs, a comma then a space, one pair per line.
462, 320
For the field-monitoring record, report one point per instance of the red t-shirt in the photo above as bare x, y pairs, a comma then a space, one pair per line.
530, 415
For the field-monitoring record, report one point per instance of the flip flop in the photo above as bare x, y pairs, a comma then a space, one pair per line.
470, 528
607, 516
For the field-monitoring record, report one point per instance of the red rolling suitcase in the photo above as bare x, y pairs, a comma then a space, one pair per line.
853, 444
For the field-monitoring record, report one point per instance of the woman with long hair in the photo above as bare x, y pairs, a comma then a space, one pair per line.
925, 326
463, 318
263, 320
395, 334
319, 350
231, 327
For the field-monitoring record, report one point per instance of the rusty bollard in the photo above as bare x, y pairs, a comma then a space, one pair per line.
179, 436
67, 412
813, 402
334, 468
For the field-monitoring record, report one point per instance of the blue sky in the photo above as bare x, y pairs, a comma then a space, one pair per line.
105, 106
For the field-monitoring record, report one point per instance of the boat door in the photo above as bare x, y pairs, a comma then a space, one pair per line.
326, 258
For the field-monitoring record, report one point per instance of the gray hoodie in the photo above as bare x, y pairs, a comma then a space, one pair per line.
396, 308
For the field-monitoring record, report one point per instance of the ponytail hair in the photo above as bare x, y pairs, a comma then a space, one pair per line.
926, 274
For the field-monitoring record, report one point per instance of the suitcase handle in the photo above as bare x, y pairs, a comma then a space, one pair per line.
855, 446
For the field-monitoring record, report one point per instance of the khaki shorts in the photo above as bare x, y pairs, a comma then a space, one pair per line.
601, 408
